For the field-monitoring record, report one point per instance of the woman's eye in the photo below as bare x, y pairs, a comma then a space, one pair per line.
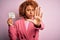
28, 10
32, 9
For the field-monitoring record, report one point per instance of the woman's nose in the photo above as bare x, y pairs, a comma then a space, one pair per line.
30, 12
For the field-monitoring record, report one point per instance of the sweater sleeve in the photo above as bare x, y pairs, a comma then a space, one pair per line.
41, 26
12, 32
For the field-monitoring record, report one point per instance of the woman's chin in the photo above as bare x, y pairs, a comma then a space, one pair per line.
31, 18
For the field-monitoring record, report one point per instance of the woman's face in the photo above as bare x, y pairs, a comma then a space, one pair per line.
30, 11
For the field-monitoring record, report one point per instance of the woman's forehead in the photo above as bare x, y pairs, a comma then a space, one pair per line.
30, 6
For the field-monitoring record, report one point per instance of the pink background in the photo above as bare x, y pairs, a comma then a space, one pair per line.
50, 18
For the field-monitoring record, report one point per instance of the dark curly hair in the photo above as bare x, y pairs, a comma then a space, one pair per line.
22, 7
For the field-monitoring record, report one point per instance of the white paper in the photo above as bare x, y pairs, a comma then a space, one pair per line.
11, 15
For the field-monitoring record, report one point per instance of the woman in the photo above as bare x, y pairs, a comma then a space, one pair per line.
28, 26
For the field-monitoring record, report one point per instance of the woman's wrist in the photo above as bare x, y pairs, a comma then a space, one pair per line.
37, 25
10, 24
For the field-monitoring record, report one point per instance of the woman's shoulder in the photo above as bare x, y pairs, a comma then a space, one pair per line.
19, 20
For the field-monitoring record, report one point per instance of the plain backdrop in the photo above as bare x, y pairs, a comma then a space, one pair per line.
51, 18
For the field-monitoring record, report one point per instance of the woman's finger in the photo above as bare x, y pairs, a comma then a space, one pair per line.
36, 11
41, 14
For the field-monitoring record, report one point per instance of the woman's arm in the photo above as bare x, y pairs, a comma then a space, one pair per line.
12, 29
12, 32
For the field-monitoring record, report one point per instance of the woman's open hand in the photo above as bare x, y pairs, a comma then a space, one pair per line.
37, 17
